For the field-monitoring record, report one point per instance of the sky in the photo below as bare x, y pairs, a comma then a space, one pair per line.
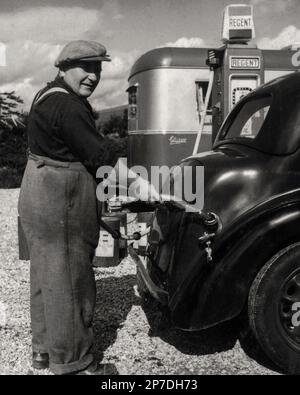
34, 32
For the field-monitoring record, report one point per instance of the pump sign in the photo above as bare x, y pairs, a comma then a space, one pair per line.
245, 62
240, 22
238, 25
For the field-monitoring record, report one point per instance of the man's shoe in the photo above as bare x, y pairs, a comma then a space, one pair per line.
40, 360
94, 369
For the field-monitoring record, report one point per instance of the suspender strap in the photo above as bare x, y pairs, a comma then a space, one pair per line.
39, 97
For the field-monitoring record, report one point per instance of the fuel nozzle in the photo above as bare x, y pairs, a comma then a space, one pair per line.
211, 221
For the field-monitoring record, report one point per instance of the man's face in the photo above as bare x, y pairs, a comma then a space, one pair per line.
82, 77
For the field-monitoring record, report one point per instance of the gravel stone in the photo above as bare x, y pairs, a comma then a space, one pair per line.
131, 339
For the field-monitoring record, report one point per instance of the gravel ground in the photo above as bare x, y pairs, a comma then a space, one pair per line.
129, 339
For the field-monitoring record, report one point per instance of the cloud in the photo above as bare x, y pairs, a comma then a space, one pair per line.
34, 38
121, 62
35, 68
193, 42
261, 2
28, 59
118, 17
289, 35
264, 6
114, 83
25, 89
48, 24
28, 66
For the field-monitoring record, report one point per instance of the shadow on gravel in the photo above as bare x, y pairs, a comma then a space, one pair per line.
210, 341
115, 298
220, 338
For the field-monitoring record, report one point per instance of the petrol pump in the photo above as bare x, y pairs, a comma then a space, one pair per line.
238, 66
239, 70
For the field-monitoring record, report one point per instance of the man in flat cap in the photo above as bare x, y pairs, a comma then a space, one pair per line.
59, 212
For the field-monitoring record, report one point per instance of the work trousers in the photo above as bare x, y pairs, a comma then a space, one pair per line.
59, 213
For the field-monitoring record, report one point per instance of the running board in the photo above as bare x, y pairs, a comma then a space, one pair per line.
155, 291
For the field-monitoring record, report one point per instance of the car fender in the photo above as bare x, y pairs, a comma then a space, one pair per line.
221, 293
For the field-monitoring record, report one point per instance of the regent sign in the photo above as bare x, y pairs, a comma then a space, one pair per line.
238, 18
245, 62
240, 22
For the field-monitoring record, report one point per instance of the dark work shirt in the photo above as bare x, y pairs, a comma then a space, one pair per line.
62, 127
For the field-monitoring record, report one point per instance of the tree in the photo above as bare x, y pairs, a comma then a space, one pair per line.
116, 125
13, 140
10, 115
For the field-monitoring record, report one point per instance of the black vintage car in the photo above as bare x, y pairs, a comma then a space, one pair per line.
242, 251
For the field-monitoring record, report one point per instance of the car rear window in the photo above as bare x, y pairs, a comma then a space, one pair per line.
249, 120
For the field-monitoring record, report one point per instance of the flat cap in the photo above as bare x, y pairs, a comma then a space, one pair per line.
81, 50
